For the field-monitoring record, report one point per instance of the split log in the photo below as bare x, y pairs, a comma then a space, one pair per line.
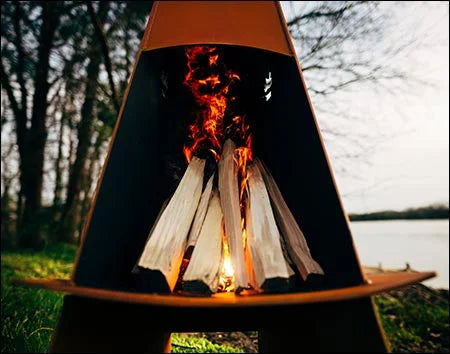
200, 213
248, 256
203, 272
291, 273
289, 263
135, 270
263, 237
161, 259
229, 198
295, 241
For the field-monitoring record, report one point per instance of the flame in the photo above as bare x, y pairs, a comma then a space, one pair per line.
210, 83
226, 279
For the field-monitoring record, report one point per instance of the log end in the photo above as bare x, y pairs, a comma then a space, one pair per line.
314, 278
276, 285
150, 281
196, 287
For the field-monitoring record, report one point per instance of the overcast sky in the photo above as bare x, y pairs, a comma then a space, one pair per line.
410, 168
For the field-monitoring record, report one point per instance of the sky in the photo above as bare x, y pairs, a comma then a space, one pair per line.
409, 166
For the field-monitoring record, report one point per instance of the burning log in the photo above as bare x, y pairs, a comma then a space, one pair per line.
200, 213
263, 238
203, 271
161, 259
295, 242
229, 198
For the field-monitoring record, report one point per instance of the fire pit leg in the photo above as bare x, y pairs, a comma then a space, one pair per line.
96, 326
340, 327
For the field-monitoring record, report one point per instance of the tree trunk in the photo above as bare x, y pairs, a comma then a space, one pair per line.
7, 234
70, 215
68, 222
58, 182
105, 51
19, 210
32, 151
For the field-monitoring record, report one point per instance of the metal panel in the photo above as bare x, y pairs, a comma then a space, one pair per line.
247, 23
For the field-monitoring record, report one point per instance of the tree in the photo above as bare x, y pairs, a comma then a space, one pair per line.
45, 75
344, 48
30, 122
65, 66
98, 50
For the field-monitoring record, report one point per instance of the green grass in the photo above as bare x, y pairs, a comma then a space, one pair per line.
187, 344
415, 319
29, 316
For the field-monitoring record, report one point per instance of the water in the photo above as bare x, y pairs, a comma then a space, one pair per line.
393, 243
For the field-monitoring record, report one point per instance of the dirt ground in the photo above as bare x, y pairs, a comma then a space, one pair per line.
418, 294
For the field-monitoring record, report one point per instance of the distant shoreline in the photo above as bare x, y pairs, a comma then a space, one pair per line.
432, 212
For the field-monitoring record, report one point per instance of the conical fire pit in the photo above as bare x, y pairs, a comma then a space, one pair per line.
217, 209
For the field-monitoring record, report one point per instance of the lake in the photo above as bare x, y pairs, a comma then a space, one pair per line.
393, 243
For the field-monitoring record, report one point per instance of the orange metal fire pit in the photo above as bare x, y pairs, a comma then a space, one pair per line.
103, 312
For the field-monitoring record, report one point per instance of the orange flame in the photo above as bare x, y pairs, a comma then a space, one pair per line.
210, 82
226, 279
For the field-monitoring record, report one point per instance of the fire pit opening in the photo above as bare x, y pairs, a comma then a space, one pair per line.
267, 112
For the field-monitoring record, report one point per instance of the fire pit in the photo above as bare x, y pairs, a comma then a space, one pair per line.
112, 304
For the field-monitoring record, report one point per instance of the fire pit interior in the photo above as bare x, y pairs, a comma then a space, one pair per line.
148, 159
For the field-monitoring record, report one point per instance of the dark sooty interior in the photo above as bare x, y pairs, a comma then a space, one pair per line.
146, 163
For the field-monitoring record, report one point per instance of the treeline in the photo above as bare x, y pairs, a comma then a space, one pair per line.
428, 212
64, 68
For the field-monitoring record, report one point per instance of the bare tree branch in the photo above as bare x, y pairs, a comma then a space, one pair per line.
105, 51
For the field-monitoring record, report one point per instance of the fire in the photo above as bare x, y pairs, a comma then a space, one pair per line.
210, 83
226, 279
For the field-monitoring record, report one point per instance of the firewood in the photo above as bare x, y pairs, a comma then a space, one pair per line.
292, 275
295, 241
160, 261
248, 256
200, 213
163, 207
229, 198
203, 271
250, 268
263, 237
135, 270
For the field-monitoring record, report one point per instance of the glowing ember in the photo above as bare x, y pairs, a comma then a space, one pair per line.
210, 83
227, 267
226, 279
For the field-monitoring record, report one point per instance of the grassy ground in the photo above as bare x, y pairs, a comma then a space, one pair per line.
29, 316
415, 319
